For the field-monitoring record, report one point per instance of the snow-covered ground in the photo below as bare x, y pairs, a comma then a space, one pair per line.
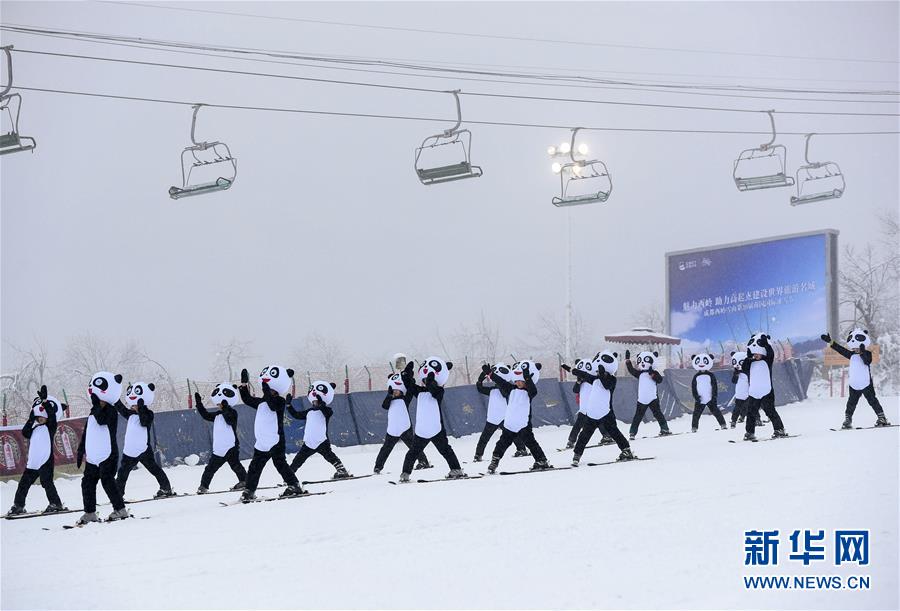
667, 533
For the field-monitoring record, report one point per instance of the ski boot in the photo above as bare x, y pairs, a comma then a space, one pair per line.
541, 465
376, 471
626, 455
848, 422
477, 458
741, 420
575, 460
239, 486
694, 430
16, 510
779, 433
404, 478
294, 490
521, 453
570, 445
423, 464
118, 514
733, 423
749, 437
340, 472
163, 493
248, 495
607, 440
630, 438
86, 518
665, 432
456, 474
202, 490
882, 420
495, 462
54, 508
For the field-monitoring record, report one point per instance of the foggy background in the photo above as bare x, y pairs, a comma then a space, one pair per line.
327, 235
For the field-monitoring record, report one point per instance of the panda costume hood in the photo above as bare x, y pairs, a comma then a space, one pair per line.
437, 366
859, 337
321, 391
702, 361
646, 360
522, 367
140, 390
277, 377
106, 386
225, 394
739, 378
395, 382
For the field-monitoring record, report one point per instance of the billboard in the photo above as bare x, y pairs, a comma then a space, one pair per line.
716, 297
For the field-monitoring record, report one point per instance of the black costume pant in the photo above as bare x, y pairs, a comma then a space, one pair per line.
440, 442
323, 449
45, 473
740, 410
147, 459
639, 416
580, 419
105, 473
869, 393
259, 460
390, 441
232, 457
767, 404
488, 432
507, 438
713, 409
607, 425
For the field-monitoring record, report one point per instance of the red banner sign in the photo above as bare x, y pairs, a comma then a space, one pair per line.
14, 447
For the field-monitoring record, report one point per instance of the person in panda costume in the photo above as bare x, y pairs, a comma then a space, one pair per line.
582, 396
39, 431
758, 367
99, 448
136, 411
399, 427
599, 414
519, 390
268, 428
315, 433
741, 389
433, 374
861, 384
705, 390
648, 379
226, 448
496, 408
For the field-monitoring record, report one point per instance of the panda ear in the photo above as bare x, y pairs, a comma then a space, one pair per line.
693, 356
290, 373
333, 385
866, 331
538, 365
616, 354
449, 365
732, 353
655, 353
118, 378
151, 386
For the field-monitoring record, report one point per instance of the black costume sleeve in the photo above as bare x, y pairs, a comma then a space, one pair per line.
29, 425
479, 385
714, 385
866, 355
631, 369
607, 379
504, 386
584, 376
230, 415
656, 376
247, 398
205, 414
412, 389
434, 388
530, 388
745, 367
735, 375
297, 415
576, 388
105, 415
694, 388
386, 404
123, 411
844, 352
145, 415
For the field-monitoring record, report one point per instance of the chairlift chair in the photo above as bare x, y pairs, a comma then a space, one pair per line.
450, 141
12, 141
762, 167
817, 181
204, 155
582, 181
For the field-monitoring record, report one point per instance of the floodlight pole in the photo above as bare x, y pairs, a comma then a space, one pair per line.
569, 285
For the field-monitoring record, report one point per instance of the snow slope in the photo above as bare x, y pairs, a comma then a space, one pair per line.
667, 533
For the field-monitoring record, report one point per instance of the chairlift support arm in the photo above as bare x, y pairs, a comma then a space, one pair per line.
771, 114
449, 132
9, 70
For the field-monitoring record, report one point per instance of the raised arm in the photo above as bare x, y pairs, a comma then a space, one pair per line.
434, 388
580, 375
843, 351
479, 383
244, 391
866, 355
295, 414
530, 387
29, 425
145, 416
504, 386
607, 379
412, 389
198, 401
629, 366
388, 399
122, 410
230, 415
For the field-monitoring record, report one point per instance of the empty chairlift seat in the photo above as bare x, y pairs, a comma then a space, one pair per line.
817, 181
446, 156
11, 141
206, 167
582, 181
762, 167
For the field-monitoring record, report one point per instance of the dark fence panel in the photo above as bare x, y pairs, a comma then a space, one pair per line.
464, 409
548, 406
370, 418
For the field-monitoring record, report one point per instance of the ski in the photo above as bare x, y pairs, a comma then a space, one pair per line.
160, 498
766, 439
616, 462
432, 481
533, 471
265, 499
658, 436
336, 479
595, 445
71, 526
866, 428
37, 514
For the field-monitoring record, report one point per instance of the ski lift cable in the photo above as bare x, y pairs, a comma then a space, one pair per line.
554, 78
472, 79
442, 119
528, 39
430, 90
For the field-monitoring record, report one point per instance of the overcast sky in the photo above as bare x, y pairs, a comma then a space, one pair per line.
327, 229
